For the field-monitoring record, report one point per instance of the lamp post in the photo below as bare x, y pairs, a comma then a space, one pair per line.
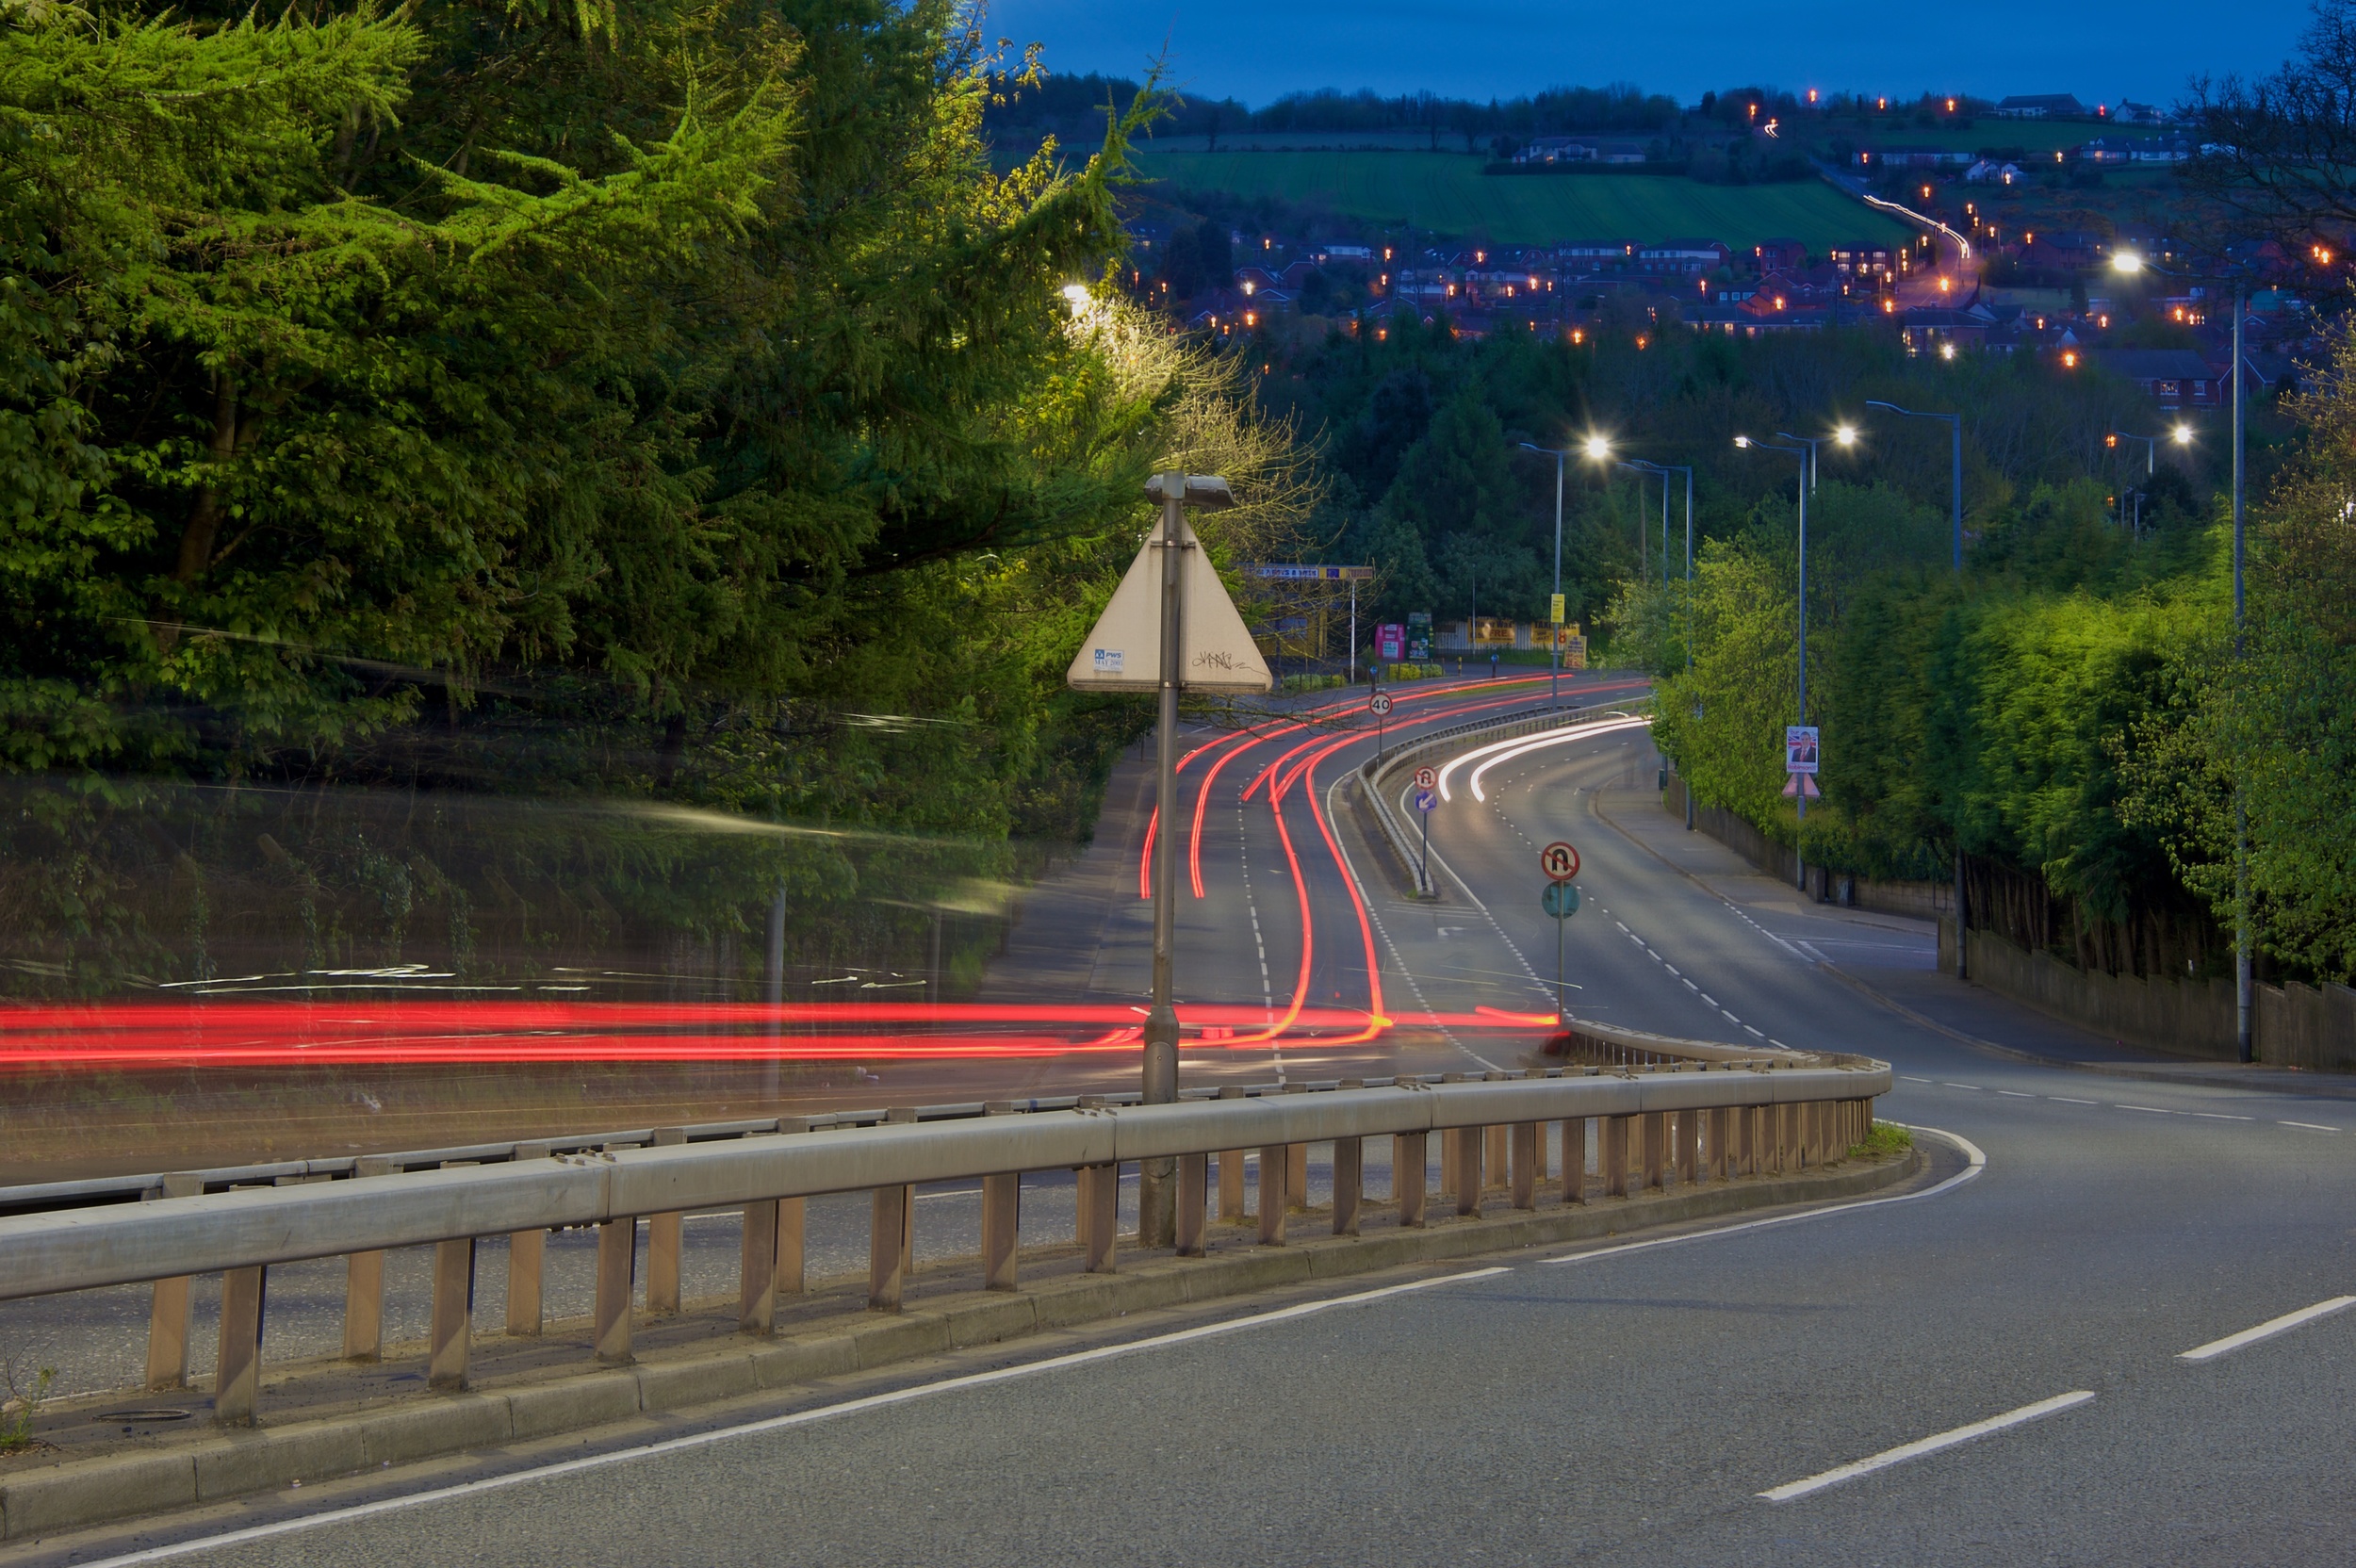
2130, 263
1554, 673
1807, 455
1643, 570
1955, 477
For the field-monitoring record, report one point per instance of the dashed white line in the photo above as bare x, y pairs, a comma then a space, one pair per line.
2065, 1100
2014, 1094
1911, 1079
2219, 1116
2148, 1110
1974, 1087
2310, 1126
2267, 1329
1921, 1447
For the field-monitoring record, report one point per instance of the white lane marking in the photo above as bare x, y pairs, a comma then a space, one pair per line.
1689, 985
2267, 1329
2014, 1094
1776, 1043
2310, 1126
2220, 1116
2148, 1110
1971, 1150
1713, 1000
2065, 1100
1974, 1087
1673, 969
1728, 1016
1917, 1449
1760, 1033
776, 1423
1911, 1079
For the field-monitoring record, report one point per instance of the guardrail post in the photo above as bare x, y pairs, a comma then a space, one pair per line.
1689, 1147
1002, 1218
618, 1282
450, 1338
1297, 1176
527, 1259
1538, 1162
168, 1314
887, 1248
1408, 1159
1230, 1190
1575, 1159
1615, 1156
238, 1372
1194, 1182
1525, 1164
1349, 1177
756, 1269
1720, 1167
1273, 1200
1655, 1149
363, 1285
1469, 1147
663, 1242
1099, 1215
1755, 1139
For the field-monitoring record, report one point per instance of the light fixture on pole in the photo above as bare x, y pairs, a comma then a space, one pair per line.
1170, 626
2129, 263
1807, 455
1554, 673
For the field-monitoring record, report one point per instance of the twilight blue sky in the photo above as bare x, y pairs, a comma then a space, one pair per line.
2102, 50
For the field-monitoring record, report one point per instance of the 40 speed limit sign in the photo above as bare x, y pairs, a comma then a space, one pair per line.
1559, 860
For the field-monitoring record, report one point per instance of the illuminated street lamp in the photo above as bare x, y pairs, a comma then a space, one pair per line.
2128, 264
1807, 454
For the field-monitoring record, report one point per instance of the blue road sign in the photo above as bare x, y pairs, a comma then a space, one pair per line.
1562, 900
1427, 799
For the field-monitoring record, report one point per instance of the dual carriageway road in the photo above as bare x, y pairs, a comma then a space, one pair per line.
2064, 1288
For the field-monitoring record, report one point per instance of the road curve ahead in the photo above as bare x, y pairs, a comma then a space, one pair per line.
2088, 1350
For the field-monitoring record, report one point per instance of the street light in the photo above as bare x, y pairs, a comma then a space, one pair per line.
1807, 454
2128, 263
1955, 490
1554, 673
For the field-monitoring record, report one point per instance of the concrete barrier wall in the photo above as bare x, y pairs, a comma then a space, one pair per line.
2303, 1026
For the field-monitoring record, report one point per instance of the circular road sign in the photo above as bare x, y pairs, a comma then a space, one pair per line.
1427, 778
1561, 900
1380, 703
1559, 860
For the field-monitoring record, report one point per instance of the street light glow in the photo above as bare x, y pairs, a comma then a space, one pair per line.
1845, 435
1741, 440
1597, 448
1076, 296
2127, 262
2183, 434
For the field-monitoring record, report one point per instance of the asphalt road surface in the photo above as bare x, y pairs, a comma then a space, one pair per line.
1791, 1393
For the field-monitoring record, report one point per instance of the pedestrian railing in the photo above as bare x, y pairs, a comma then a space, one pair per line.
1712, 1113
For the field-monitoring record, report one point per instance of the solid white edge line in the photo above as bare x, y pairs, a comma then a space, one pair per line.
1971, 1152
773, 1423
1905, 1451
2267, 1329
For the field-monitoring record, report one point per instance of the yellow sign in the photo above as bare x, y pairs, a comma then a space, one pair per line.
1555, 614
1565, 635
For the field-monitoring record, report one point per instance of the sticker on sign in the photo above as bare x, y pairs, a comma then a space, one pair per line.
1559, 860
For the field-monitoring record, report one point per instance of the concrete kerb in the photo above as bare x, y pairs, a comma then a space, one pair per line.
182, 1472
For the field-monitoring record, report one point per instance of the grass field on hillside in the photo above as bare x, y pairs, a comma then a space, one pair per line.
1446, 193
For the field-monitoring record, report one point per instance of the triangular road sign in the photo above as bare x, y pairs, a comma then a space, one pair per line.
1124, 651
